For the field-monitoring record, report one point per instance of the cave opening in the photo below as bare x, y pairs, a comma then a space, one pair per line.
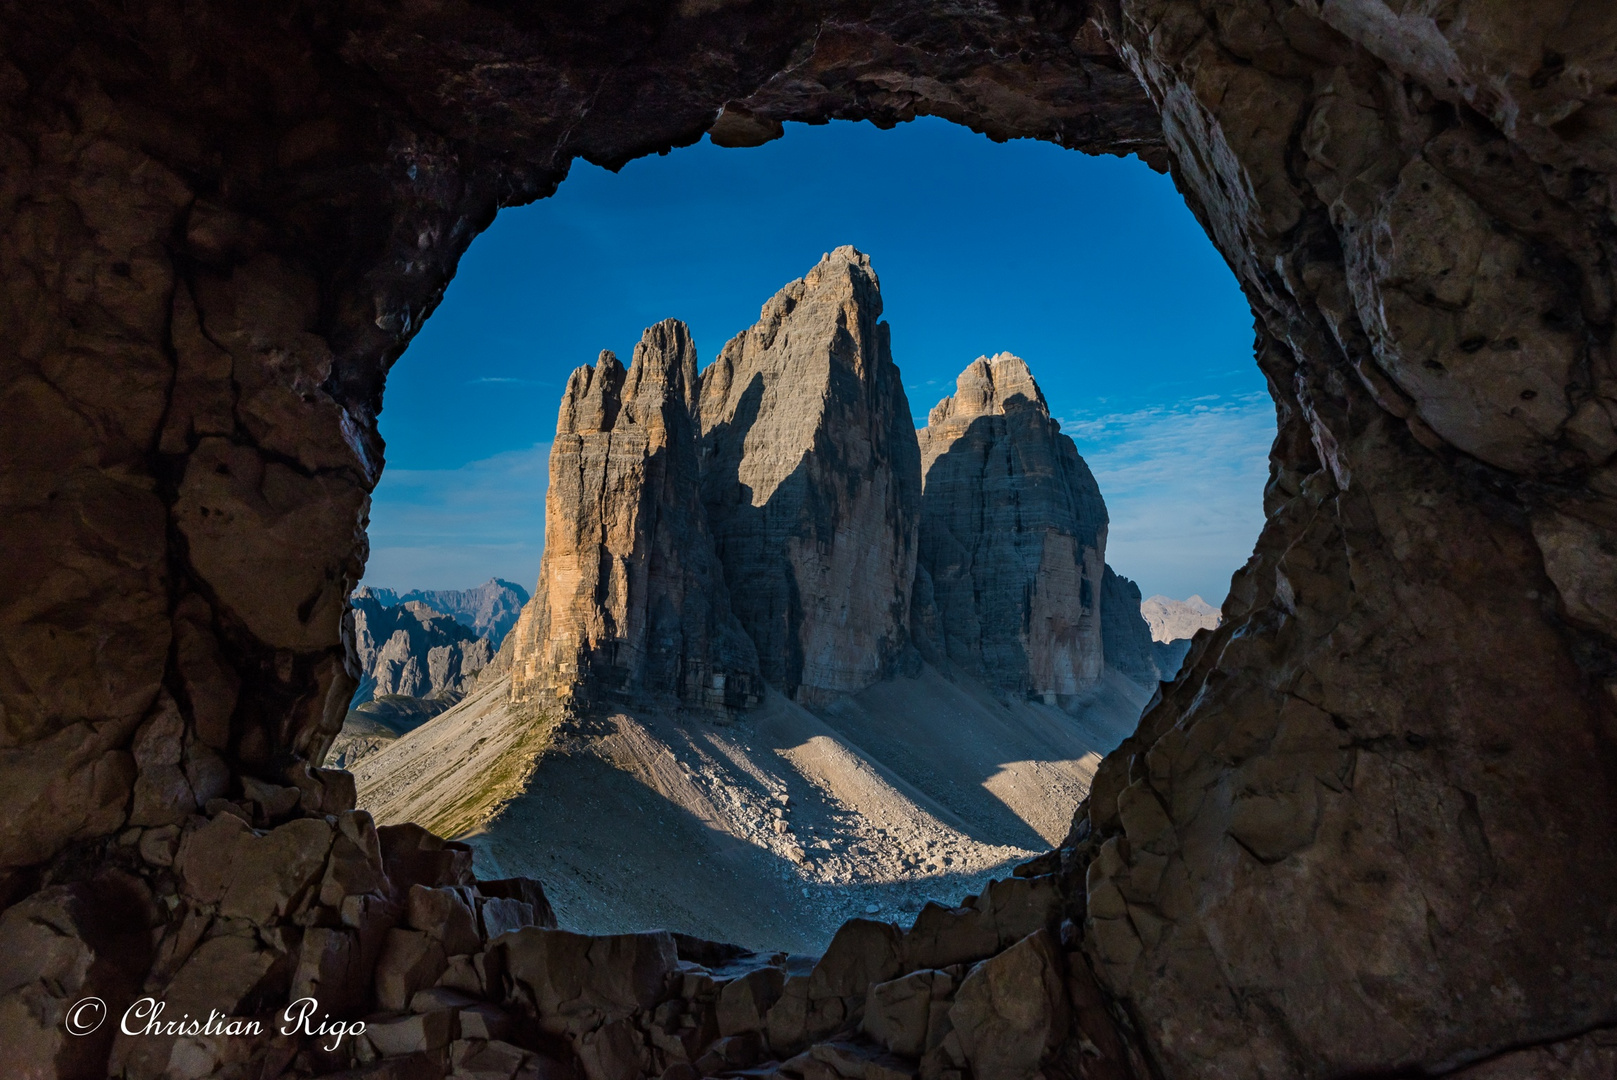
1084, 291
1359, 835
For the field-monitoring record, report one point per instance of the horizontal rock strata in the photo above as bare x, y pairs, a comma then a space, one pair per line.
1012, 539
631, 602
811, 479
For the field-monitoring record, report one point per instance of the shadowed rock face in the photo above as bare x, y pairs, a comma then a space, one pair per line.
631, 601
1013, 537
1126, 635
1367, 830
811, 478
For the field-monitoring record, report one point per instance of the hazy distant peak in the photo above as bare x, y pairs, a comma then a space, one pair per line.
489, 610
1172, 619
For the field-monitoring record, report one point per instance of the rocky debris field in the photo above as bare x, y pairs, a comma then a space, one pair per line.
770, 830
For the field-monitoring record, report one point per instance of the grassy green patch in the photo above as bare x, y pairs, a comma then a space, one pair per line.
503, 781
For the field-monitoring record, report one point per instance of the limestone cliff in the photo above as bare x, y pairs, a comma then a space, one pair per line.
1126, 636
1012, 539
1172, 620
1314, 858
811, 477
631, 601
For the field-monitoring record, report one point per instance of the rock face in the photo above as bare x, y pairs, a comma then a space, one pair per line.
631, 602
490, 610
412, 650
1171, 620
811, 479
1012, 539
1314, 858
1126, 636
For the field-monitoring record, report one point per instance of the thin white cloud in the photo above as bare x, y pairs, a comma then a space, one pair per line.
506, 379
1183, 484
454, 528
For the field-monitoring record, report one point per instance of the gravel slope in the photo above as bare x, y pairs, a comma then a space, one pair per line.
769, 831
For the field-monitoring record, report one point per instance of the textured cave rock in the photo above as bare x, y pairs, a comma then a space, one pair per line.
631, 602
811, 478
1012, 539
1368, 828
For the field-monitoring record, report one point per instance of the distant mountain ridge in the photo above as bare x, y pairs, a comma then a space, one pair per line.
490, 610
780, 631
413, 650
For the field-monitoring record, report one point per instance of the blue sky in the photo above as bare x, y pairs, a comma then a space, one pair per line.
1091, 269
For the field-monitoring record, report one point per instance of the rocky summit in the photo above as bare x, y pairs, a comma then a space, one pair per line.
1013, 539
1366, 832
815, 559
631, 598
1171, 620
811, 479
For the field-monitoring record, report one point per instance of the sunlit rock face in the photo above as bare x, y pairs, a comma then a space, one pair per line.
811, 477
631, 602
1366, 832
1012, 540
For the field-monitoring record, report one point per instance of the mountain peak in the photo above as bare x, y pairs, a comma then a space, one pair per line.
986, 387
1171, 620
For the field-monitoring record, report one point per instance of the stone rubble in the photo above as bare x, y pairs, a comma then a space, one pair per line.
259, 904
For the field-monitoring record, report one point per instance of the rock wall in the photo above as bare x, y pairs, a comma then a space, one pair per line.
631, 602
1125, 635
1362, 778
1012, 538
811, 478
1368, 828
413, 650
